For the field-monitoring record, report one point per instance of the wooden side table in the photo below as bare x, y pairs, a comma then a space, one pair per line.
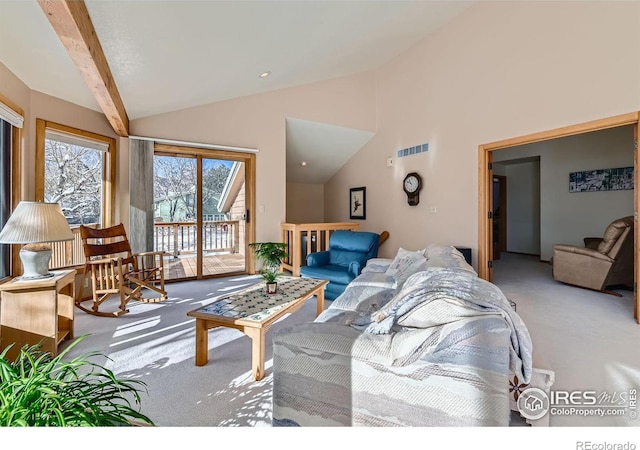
37, 311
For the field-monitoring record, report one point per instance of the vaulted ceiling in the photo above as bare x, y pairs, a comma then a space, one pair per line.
198, 52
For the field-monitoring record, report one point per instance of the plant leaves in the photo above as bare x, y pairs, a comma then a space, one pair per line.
40, 390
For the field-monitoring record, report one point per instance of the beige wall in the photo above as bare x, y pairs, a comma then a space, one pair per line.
13, 88
499, 70
259, 121
18, 93
305, 203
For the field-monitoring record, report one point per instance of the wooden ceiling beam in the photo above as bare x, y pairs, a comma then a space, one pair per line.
71, 21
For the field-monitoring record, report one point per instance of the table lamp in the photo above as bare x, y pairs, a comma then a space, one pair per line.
35, 224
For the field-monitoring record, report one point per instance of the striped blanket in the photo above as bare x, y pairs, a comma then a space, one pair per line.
438, 351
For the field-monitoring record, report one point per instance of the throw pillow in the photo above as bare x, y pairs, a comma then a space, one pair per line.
446, 256
435, 250
379, 265
405, 264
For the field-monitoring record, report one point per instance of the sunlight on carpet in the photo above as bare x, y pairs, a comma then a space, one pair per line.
251, 400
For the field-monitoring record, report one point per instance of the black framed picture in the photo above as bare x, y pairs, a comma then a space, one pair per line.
358, 203
617, 179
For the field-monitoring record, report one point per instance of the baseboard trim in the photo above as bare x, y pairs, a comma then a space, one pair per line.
522, 253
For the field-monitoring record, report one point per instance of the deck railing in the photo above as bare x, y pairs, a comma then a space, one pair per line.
174, 238
178, 238
314, 236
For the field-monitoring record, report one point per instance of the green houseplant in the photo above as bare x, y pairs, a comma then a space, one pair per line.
38, 389
271, 255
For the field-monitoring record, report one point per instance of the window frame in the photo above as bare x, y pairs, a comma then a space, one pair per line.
109, 164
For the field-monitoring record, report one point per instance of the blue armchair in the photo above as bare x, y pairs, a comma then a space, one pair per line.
348, 253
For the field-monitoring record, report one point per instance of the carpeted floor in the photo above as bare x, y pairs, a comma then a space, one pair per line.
589, 339
156, 343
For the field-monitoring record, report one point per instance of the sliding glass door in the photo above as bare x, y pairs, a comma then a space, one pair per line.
200, 214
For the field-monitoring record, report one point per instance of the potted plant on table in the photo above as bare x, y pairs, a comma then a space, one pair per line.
271, 255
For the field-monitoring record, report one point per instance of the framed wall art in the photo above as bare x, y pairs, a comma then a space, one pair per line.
358, 203
618, 179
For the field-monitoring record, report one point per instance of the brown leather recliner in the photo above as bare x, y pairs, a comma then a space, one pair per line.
602, 262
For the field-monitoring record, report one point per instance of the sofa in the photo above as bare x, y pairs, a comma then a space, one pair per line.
348, 253
418, 340
602, 262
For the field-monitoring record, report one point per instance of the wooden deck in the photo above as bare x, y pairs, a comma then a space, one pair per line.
185, 266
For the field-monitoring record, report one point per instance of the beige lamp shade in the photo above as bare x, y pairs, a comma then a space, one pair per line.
36, 222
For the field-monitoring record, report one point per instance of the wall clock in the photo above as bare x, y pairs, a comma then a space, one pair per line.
412, 184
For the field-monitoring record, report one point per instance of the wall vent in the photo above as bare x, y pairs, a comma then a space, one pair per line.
413, 150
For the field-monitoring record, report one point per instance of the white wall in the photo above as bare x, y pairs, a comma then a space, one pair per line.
523, 207
305, 203
566, 218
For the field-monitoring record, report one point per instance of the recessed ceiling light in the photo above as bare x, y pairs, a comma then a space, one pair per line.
303, 163
265, 74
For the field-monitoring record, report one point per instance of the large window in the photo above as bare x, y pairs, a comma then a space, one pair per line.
11, 121
75, 169
5, 192
73, 174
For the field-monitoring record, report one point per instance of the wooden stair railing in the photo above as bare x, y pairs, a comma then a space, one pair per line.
317, 239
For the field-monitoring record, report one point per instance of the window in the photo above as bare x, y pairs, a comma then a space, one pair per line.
5, 189
75, 169
73, 174
11, 122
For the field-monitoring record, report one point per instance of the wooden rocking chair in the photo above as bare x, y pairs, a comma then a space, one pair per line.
114, 269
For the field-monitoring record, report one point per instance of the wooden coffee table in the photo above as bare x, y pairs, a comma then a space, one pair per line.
253, 311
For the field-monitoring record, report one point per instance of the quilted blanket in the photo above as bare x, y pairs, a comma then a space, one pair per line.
439, 351
438, 297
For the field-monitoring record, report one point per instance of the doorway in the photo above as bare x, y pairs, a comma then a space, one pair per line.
485, 159
202, 208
